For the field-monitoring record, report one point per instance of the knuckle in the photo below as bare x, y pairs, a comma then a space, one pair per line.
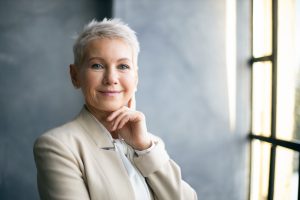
141, 115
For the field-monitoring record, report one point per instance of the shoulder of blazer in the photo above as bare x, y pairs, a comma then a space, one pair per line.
83, 127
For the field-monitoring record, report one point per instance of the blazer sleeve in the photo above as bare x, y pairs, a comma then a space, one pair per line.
163, 175
58, 172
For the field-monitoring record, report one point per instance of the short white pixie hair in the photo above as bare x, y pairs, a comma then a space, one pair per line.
107, 28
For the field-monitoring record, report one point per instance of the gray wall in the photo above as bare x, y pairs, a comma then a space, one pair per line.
183, 88
35, 89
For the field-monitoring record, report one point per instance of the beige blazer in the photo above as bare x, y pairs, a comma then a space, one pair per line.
78, 161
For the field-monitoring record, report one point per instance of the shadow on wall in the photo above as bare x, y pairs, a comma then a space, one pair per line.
15, 187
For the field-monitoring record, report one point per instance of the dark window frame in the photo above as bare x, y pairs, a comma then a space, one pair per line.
292, 145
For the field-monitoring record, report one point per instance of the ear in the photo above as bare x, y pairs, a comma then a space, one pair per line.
74, 73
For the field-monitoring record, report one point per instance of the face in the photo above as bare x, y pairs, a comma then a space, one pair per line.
107, 77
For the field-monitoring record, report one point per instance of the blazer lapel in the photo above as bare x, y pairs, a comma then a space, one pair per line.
107, 158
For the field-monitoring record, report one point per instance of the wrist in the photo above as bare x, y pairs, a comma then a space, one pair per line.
144, 144
146, 151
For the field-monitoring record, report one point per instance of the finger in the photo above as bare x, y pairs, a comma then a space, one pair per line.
123, 121
119, 118
114, 114
131, 103
130, 116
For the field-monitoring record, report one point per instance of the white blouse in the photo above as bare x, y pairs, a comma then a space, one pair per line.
137, 180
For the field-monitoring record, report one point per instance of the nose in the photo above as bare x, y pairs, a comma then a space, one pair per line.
110, 77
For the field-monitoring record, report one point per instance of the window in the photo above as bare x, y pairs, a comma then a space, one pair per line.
275, 127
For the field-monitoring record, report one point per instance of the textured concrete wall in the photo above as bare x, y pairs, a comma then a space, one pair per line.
35, 89
183, 88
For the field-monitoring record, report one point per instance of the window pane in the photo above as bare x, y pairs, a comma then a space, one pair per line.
286, 174
262, 28
260, 164
288, 74
261, 98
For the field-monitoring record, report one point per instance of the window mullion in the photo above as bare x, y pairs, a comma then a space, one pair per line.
299, 176
274, 99
260, 59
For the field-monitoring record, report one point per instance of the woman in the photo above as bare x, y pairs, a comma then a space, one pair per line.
106, 152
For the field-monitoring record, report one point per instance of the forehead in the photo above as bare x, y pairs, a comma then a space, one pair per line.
108, 48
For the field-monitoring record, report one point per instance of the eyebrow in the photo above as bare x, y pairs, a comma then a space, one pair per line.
123, 59
99, 58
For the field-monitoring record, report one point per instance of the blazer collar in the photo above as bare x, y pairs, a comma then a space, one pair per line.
95, 129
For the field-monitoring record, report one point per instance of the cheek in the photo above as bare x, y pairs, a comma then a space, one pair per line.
131, 83
90, 82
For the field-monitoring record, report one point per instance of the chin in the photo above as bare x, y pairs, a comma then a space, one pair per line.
109, 108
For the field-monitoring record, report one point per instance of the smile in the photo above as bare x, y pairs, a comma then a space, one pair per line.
110, 93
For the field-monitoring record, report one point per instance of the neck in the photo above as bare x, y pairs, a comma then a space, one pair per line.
101, 116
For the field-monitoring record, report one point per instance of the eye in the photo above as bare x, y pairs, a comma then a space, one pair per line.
123, 67
97, 66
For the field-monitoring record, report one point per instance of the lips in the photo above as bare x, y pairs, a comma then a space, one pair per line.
110, 92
